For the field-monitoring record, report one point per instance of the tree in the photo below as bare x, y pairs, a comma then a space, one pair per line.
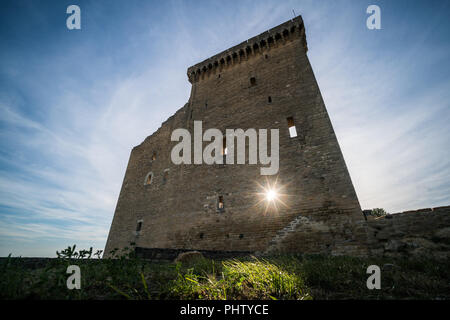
378, 212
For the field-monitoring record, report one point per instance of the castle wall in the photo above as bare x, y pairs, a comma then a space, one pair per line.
419, 233
318, 211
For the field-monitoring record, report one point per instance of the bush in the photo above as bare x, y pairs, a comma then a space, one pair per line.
378, 212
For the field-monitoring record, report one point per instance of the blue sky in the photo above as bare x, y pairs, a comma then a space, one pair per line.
74, 102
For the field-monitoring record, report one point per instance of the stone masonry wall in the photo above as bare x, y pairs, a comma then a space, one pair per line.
424, 232
318, 209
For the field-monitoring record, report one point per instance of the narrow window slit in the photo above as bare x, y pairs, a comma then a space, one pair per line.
148, 178
165, 175
224, 146
220, 204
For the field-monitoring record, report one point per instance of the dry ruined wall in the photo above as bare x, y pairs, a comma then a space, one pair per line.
424, 232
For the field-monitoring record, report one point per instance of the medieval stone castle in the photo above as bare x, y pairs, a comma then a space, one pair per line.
265, 82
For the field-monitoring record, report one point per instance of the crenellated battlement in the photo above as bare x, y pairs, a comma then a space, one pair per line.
279, 35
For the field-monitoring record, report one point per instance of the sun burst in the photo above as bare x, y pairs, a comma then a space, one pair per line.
271, 196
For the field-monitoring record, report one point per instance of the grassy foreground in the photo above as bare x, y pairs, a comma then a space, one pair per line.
282, 277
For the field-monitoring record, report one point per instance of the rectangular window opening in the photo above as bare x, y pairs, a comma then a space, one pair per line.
139, 226
291, 126
220, 204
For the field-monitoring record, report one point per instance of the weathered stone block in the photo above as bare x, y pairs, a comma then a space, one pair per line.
188, 257
443, 234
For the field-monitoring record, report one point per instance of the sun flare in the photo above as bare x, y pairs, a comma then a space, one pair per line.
271, 195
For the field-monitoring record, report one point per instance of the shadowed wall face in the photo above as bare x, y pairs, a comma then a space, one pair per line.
263, 83
420, 233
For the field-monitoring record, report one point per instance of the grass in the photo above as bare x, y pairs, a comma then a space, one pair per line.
236, 279
281, 277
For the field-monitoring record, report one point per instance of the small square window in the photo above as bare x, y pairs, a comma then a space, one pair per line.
291, 126
252, 81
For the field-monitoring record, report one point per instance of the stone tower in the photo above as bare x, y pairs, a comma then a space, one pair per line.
265, 82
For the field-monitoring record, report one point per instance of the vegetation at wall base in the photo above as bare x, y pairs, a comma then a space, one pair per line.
292, 277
